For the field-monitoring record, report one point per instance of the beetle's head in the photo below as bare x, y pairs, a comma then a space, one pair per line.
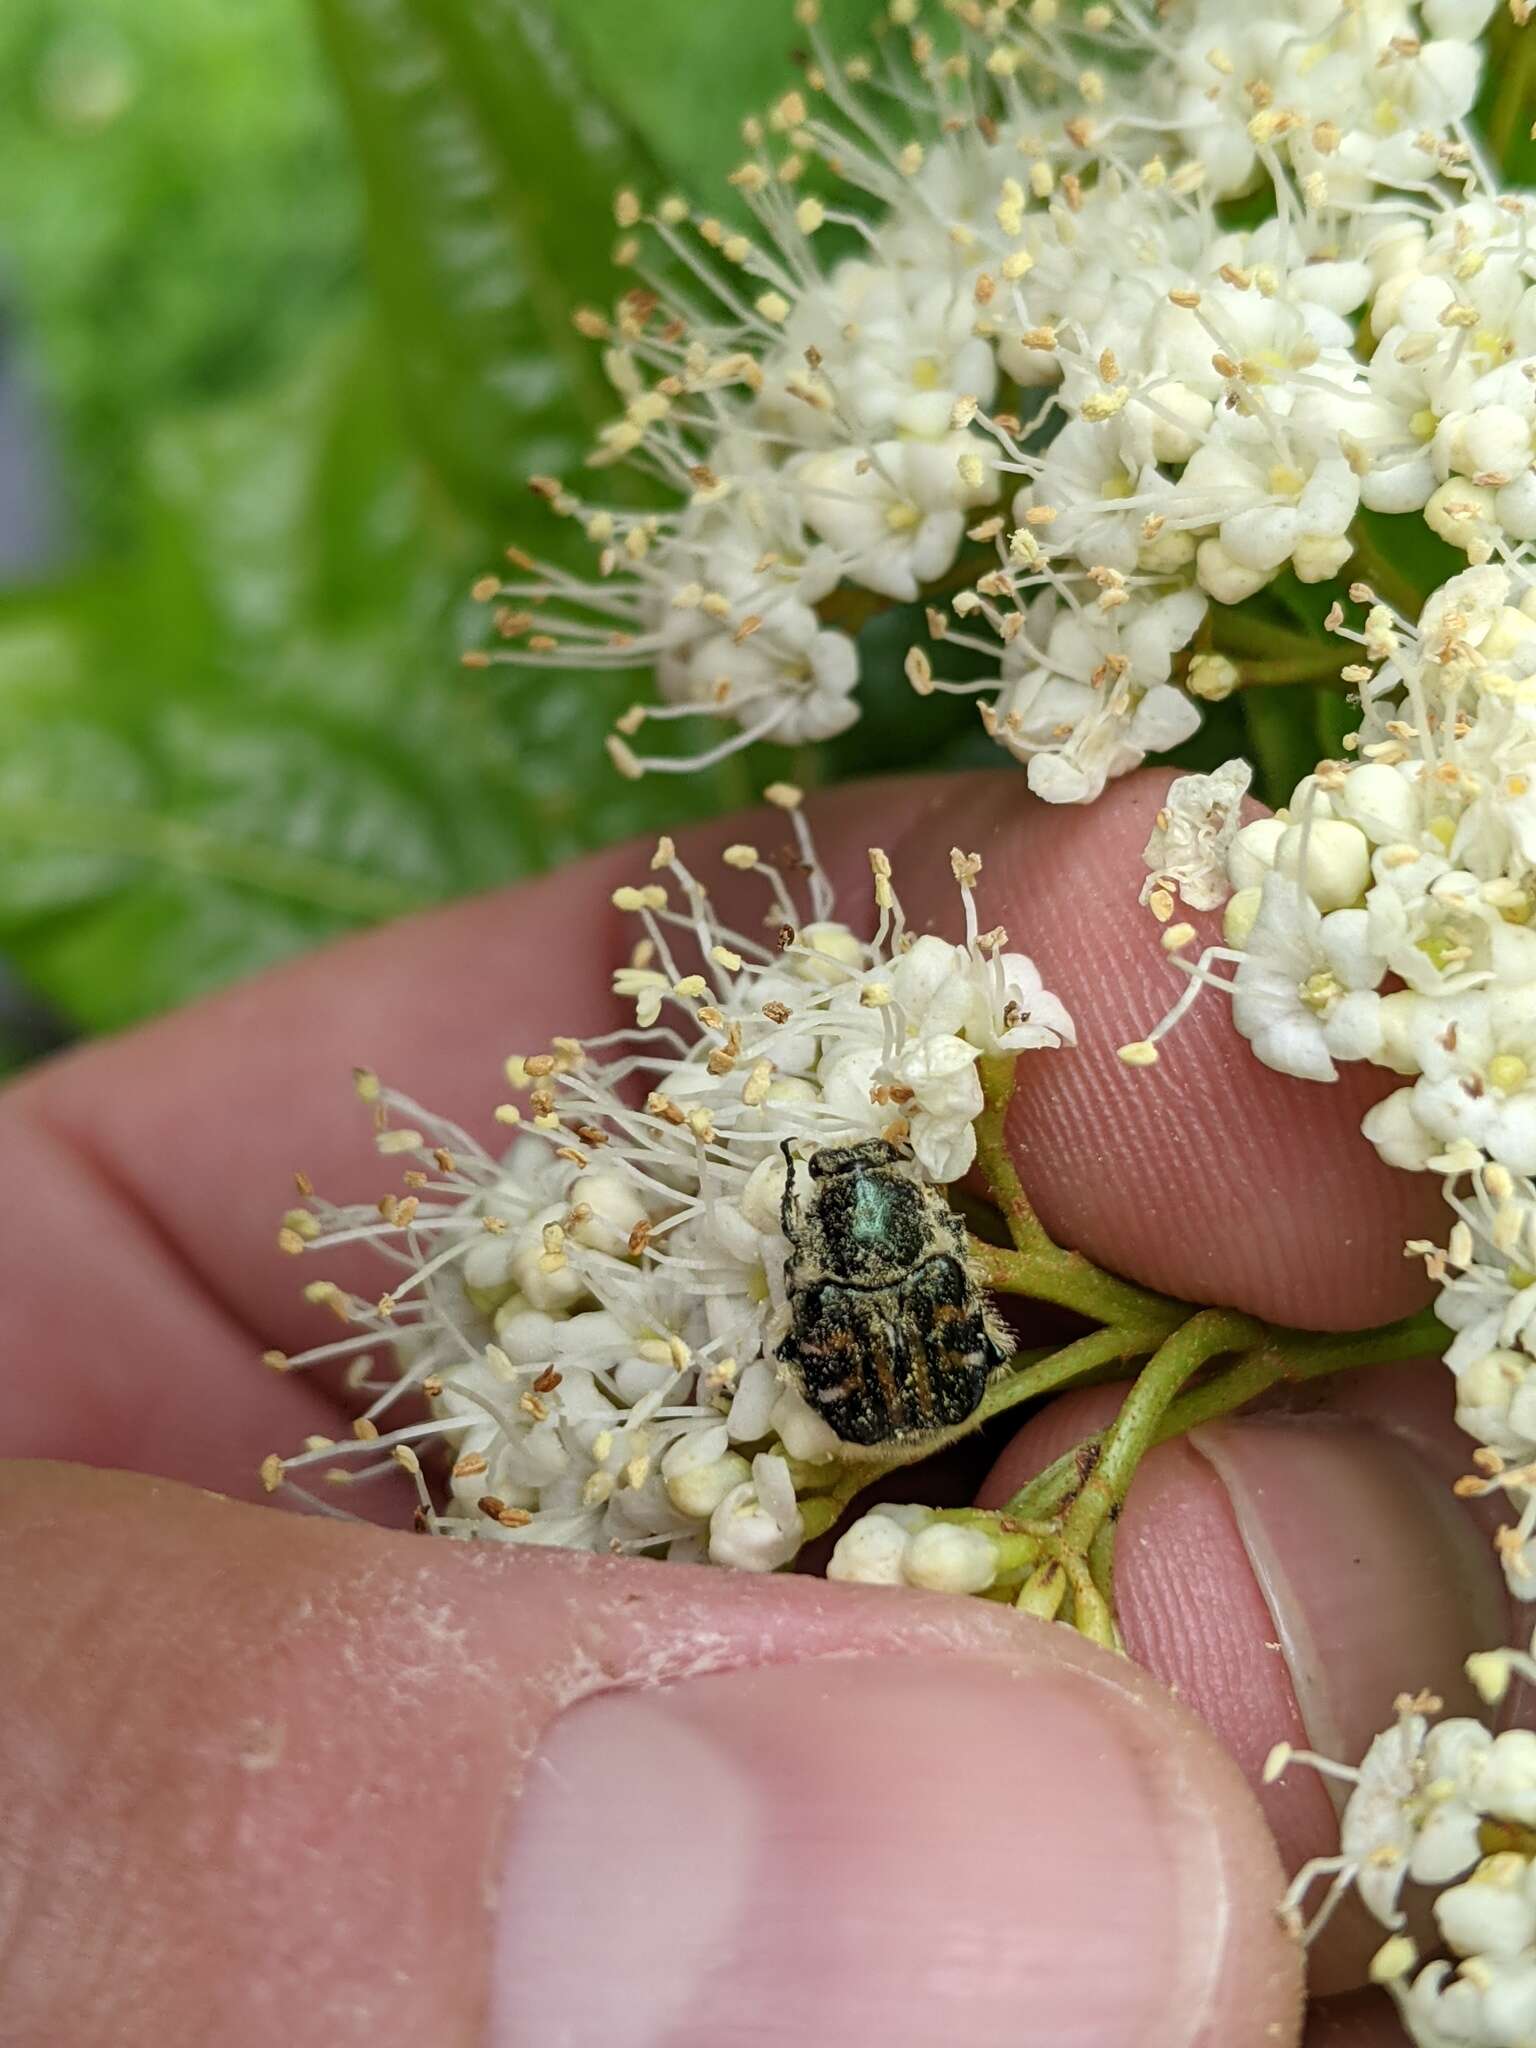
872, 1153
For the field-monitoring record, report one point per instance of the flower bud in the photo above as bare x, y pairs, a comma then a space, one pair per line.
1253, 852
698, 1472
833, 949
1223, 577
1490, 1914
1331, 858
615, 1206
1212, 677
870, 1553
1464, 514
948, 1558
1318, 556
1381, 802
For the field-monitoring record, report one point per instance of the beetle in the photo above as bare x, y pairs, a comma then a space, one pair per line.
891, 1341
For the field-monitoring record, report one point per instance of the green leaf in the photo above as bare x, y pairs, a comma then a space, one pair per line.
490, 167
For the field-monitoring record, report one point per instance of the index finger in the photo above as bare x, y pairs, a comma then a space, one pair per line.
1213, 1178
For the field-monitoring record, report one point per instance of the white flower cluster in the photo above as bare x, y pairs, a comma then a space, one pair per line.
592, 1319
1449, 1806
1386, 915
983, 295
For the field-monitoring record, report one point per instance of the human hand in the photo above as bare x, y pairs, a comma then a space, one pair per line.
265, 1772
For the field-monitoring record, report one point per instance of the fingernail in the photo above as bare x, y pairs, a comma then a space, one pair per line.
1370, 1569
898, 1852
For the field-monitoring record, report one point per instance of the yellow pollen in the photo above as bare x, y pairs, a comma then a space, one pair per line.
1507, 1072
1320, 991
903, 517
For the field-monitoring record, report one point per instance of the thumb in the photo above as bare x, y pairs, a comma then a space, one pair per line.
280, 1779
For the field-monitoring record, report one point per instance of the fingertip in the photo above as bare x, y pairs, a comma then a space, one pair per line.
591, 1799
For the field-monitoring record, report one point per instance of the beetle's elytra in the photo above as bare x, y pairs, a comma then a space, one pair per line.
890, 1339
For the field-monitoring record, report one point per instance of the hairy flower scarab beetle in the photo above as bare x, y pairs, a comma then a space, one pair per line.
890, 1339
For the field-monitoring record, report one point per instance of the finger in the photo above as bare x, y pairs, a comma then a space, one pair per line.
1290, 1573
1211, 1177
336, 1786
157, 1164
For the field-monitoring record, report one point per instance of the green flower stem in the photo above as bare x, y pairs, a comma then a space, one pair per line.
1282, 1358
1135, 1429
997, 1073
1101, 1559
1320, 668
1049, 1491
1288, 1357
1043, 1591
1080, 1363
1068, 1280
1234, 631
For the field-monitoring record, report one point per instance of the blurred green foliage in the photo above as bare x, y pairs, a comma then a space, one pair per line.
179, 215
242, 728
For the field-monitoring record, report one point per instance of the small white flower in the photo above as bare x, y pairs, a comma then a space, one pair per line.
1476, 1056
1086, 695
1412, 1813
758, 1526
896, 512
1305, 989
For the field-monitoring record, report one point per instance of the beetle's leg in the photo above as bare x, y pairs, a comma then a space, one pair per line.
786, 1200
